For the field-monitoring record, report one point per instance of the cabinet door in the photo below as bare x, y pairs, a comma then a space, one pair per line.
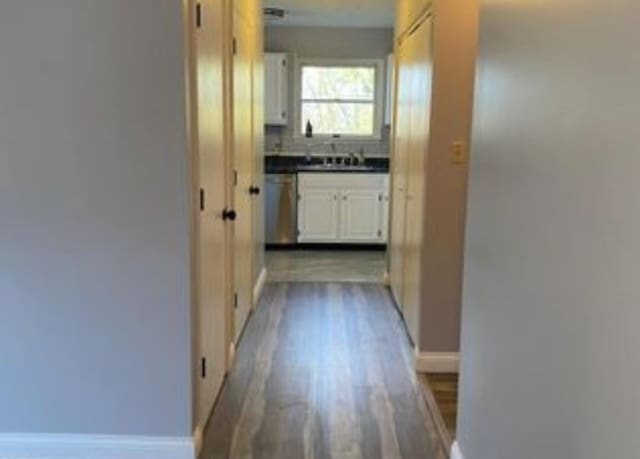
275, 89
384, 218
318, 215
360, 216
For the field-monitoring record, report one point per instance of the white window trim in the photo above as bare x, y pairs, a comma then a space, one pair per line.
378, 118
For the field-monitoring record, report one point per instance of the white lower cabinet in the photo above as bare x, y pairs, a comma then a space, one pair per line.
317, 215
343, 208
384, 217
360, 216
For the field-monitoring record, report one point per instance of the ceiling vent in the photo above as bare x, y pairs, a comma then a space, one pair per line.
274, 14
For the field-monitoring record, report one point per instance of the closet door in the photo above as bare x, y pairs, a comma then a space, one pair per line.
243, 158
259, 232
407, 12
399, 173
207, 130
417, 149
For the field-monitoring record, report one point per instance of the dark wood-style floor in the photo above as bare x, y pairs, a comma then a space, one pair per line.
444, 390
323, 371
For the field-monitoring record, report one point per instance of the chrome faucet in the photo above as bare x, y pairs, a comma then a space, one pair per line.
333, 146
333, 158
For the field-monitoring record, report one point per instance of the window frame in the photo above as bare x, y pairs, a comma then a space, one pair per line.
378, 102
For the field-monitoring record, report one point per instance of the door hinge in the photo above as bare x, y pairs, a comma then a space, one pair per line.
235, 301
284, 62
380, 197
235, 178
234, 46
202, 197
203, 367
198, 15
379, 233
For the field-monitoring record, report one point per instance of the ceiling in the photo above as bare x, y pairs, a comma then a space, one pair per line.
334, 13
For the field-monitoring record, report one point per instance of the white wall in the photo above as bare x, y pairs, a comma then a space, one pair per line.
94, 218
552, 292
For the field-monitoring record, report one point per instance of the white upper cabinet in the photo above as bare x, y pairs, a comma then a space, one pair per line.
389, 99
276, 87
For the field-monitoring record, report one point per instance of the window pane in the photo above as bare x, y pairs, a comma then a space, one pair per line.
339, 118
332, 83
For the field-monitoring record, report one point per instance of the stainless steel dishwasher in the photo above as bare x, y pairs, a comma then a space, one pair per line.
281, 209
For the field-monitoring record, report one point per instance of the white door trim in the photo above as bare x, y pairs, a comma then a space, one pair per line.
49, 446
257, 290
456, 453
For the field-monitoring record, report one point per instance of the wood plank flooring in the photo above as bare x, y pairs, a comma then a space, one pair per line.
326, 266
441, 394
323, 371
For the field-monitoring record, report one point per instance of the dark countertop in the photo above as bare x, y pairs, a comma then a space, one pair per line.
299, 164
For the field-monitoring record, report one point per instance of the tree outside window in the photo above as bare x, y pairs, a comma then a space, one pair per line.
339, 99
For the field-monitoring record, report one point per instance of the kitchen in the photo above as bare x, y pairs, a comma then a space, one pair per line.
328, 100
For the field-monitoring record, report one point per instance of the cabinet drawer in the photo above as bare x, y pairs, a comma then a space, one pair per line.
343, 180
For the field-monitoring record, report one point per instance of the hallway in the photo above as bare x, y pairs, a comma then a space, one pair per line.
323, 371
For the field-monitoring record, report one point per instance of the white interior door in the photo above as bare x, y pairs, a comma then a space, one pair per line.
399, 159
210, 251
419, 45
243, 159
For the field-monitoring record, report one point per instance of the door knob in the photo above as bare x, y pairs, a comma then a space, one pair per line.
254, 190
229, 214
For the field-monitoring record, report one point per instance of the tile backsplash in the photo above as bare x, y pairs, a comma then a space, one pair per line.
280, 138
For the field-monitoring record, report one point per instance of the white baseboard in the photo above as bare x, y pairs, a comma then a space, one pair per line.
257, 290
32, 446
231, 357
386, 279
198, 440
455, 451
437, 362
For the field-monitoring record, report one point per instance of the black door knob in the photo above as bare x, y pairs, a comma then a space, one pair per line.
254, 190
229, 214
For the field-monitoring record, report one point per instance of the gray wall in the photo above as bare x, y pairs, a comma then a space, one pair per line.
551, 296
94, 234
455, 43
326, 43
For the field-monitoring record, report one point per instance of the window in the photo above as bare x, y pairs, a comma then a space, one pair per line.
340, 98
